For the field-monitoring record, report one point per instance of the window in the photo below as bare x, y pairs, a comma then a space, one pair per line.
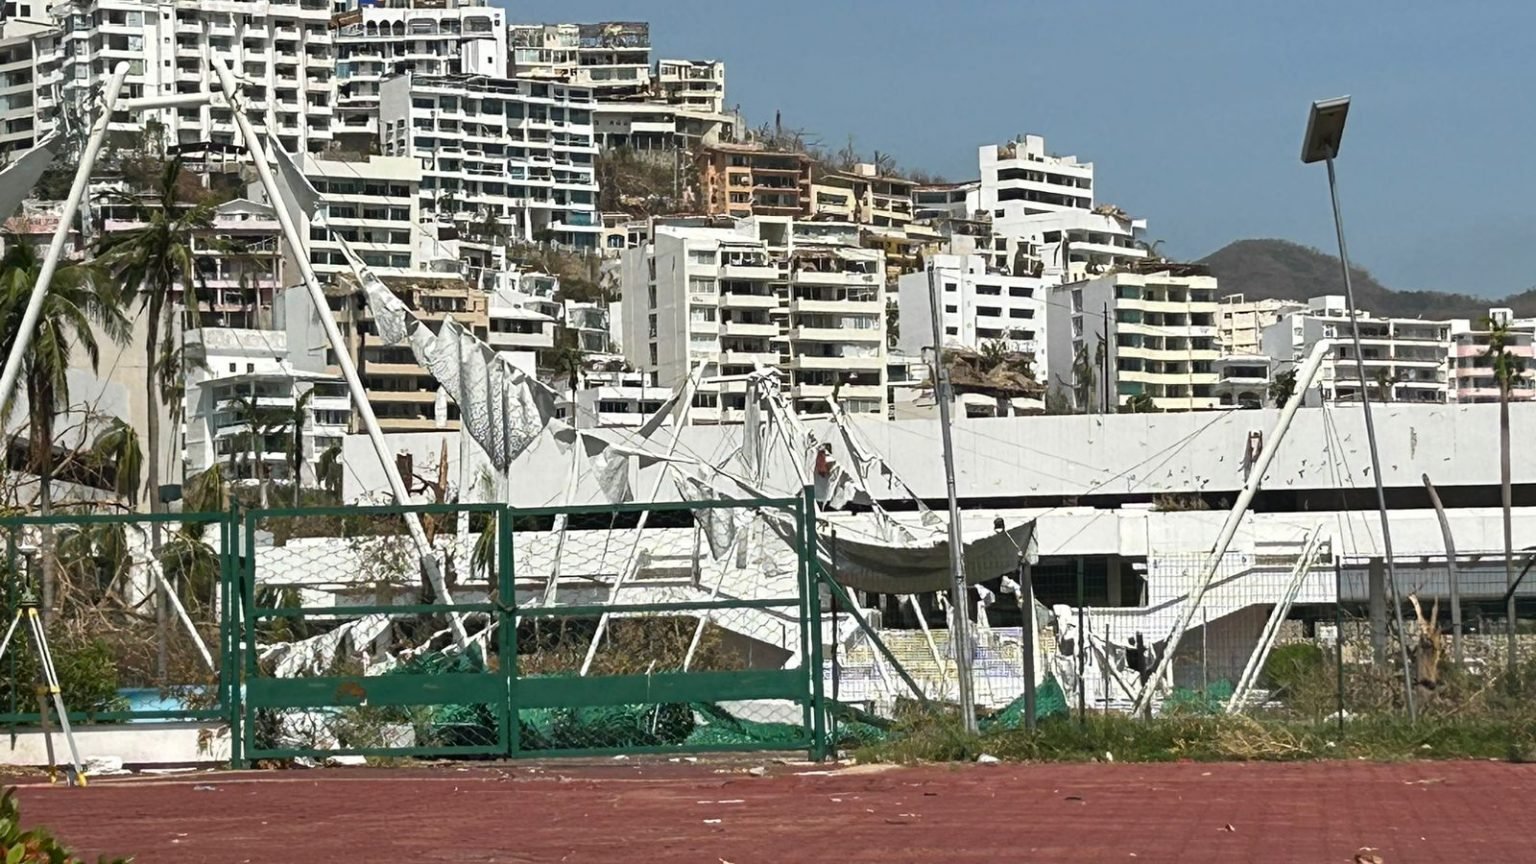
951, 331
250, 367
950, 310
231, 368
701, 285
653, 353
650, 298
1020, 291
1021, 313
949, 286
701, 256
652, 322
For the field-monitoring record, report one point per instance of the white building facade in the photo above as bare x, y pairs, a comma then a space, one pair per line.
1405, 359
499, 156
282, 49
981, 305
453, 37
763, 293
1149, 333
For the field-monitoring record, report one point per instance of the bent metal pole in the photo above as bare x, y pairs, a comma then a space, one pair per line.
1234, 519
61, 234
339, 347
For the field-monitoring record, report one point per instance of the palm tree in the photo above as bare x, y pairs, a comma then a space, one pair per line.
1386, 382
294, 422
1140, 403
117, 448
1508, 368
153, 263
570, 360
1282, 388
76, 300
1084, 379
328, 470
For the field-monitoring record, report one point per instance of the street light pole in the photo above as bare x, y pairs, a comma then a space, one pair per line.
1325, 129
959, 627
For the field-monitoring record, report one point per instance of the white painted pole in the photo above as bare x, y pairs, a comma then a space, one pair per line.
339, 347
1234, 519
61, 234
1277, 615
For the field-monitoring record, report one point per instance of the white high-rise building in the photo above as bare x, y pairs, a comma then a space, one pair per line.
500, 157
981, 305
1150, 332
28, 76
374, 205
763, 293
1406, 359
1020, 178
441, 37
281, 49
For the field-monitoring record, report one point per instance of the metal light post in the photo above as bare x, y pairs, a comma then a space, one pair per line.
1325, 130
959, 628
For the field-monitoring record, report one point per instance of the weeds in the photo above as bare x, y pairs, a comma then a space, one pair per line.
1122, 738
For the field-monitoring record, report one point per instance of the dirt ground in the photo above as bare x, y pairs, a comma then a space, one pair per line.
685, 812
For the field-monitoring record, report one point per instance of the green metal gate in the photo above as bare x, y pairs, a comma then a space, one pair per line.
336, 647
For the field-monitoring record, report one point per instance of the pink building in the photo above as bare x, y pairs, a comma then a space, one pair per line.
1472, 374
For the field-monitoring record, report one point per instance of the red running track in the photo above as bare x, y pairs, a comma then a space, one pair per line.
1307, 813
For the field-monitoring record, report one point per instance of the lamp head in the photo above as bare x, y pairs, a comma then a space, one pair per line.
1325, 129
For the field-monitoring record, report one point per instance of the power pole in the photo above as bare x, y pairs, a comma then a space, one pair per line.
959, 628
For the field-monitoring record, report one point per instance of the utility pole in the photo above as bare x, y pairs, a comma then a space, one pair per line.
959, 628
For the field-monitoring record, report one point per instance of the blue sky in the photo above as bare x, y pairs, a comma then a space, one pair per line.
1192, 112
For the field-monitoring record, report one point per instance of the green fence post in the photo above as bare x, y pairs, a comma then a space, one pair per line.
10, 609
812, 589
506, 641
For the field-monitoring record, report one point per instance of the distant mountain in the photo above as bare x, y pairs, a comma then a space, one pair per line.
1280, 269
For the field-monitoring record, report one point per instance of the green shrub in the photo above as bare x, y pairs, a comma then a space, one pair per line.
87, 669
1289, 665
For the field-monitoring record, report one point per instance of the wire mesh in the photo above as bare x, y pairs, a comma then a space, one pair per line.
705, 603
348, 649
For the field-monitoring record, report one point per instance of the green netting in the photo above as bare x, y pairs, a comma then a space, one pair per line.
1212, 700
1050, 701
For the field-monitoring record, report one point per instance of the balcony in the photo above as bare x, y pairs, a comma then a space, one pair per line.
738, 328
843, 277
871, 363
764, 270
748, 358
731, 300
846, 391
838, 334
873, 306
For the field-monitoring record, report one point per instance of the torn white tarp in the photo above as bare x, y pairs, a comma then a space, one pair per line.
871, 563
719, 522
18, 178
317, 654
504, 408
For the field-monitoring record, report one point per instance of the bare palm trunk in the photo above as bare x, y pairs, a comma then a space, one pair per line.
45, 506
1505, 497
152, 471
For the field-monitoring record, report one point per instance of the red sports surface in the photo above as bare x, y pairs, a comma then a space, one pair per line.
635, 812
